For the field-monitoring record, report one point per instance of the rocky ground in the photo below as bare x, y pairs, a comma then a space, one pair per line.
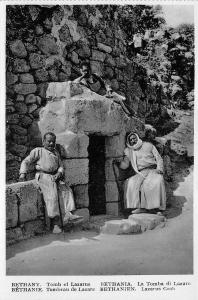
90, 253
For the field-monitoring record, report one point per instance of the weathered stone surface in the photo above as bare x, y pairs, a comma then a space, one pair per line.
53, 75
42, 87
98, 55
34, 135
121, 62
31, 98
64, 35
41, 75
19, 139
63, 77
111, 189
104, 48
13, 119
47, 45
38, 100
110, 61
81, 196
20, 98
21, 107
10, 109
25, 88
31, 47
48, 24
11, 78
120, 227
114, 84
11, 209
147, 221
13, 235
20, 66
75, 145
19, 150
28, 195
113, 208
31, 108
74, 58
26, 78
25, 121
34, 11
84, 212
39, 30
97, 67
9, 101
10, 157
34, 227
76, 171
84, 51
36, 60
115, 145
67, 68
18, 49
109, 73
36, 113
18, 130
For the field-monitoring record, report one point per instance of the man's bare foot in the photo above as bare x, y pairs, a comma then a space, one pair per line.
139, 211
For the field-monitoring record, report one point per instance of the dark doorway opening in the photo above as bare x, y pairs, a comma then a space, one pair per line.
96, 151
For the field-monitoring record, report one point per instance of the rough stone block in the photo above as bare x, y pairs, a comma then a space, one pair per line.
41, 75
76, 171
28, 195
81, 196
47, 45
26, 78
13, 235
34, 227
113, 208
20, 66
84, 212
11, 78
112, 194
18, 129
120, 227
36, 61
31, 98
18, 49
115, 145
98, 55
147, 221
21, 107
11, 209
19, 150
104, 48
75, 145
97, 67
13, 119
25, 88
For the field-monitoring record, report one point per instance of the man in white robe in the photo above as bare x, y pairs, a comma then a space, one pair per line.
49, 170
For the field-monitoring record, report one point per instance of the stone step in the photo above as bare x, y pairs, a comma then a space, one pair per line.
136, 223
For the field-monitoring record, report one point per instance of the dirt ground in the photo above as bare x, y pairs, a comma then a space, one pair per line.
167, 250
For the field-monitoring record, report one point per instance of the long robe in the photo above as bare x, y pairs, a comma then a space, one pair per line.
147, 182
48, 163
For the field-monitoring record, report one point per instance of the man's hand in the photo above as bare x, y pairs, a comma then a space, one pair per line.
57, 176
22, 177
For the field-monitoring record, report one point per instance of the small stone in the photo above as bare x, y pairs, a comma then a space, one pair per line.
53, 74
11, 78
47, 45
34, 11
13, 119
10, 156
39, 30
114, 84
31, 98
36, 113
10, 109
26, 121
109, 73
110, 61
84, 51
26, 78
41, 75
18, 130
97, 67
104, 48
74, 58
19, 139
20, 66
48, 24
36, 61
20, 98
18, 49
67, 69
30, 47
38, 100
82, 19
9, 101
64, 35
63, 77
98, 55
32, 108
25, 88
21, 107
19, 150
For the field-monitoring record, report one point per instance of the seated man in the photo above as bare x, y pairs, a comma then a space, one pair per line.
148, 166
96, 84
49, 170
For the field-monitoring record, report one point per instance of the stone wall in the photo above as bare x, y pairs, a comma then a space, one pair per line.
46, 44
